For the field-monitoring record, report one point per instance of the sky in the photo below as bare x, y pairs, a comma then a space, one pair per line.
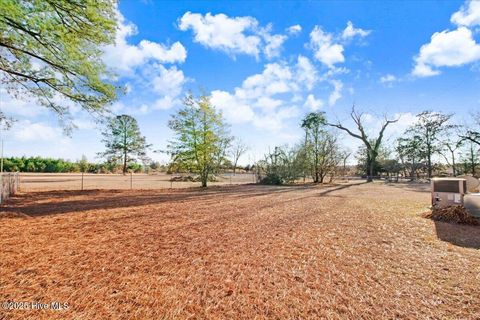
267, 64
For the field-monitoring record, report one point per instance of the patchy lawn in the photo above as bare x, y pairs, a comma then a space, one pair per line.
344, 251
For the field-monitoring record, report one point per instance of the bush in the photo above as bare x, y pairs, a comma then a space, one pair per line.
272, 179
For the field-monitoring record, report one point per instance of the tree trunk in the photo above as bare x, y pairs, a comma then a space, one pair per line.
412, 173
370, 171
472, 159
305, 156
204, 178
235, 166
453, 165
317, 178
125, 163
429, 162
370, 165
124, 148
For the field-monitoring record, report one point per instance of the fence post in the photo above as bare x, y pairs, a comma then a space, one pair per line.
131, 180
1, 188
82, 180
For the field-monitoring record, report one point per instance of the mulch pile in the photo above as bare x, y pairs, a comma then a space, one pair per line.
455, 214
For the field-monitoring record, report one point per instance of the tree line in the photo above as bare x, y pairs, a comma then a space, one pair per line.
51, 51
50, 165
202, 145
411, 155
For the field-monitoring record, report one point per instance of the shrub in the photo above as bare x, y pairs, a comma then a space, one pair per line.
272, 179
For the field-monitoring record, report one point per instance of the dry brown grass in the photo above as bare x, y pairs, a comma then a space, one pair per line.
73, 181
241, 252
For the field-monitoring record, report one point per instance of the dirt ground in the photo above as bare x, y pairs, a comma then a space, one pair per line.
73, 181
347, 251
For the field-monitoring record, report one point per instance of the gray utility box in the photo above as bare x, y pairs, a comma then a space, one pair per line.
447, 192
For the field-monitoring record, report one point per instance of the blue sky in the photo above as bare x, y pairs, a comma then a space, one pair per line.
266, 64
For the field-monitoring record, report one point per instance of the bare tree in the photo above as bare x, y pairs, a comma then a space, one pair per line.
372, 145
471, 134
345, 155
238, 149
471, 159
451, 146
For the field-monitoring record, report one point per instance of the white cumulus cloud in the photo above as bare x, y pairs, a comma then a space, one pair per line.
265, 99
233, 35
325, 49
306, 72
295, 29
446, 49
336, 93
468, 15
168, 82
123, 56
273, 44
350, 32
18, 106
329, 48
388, 78
27, 130
312, 103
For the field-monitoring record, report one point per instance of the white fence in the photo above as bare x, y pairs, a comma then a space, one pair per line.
9, 183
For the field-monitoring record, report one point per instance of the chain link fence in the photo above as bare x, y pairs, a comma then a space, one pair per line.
9, 183
29, 182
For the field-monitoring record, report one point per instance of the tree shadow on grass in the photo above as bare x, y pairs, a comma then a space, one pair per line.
411, 186
37, 204
460, 235
326, 192
341, 187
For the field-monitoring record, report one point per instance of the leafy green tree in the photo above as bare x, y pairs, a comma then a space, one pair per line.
390, 167
283, 165
30, 167
52, 48
429, 128
372, 145
321, 150
363, 164
83, 164
201, 137
123, 141
412, 153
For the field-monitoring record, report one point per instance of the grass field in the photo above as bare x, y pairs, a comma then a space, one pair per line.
346, 251
73, 181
